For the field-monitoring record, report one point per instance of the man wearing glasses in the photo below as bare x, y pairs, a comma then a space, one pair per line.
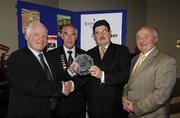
108, 75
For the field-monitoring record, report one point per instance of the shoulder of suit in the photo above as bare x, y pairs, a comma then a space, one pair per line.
55, 50
135, 58
81, 51
93, 49
118, 45
160, 57
20, 53
164, 55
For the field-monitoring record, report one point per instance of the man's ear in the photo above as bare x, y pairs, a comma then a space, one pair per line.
156, 40
26, 36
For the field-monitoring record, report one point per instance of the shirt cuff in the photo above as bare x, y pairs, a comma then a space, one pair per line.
103, 78
62, 87
72, 89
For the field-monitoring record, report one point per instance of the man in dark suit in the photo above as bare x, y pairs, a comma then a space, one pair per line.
108, 76
73, 106
32, 79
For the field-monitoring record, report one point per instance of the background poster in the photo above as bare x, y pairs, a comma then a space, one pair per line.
29, 16
87, 22
62, 20
52, 42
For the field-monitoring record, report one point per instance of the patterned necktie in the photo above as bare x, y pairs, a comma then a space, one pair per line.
102, 51
70, 59
53, 101
45, 67
140, 60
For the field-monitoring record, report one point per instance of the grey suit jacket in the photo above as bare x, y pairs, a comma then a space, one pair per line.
151, 86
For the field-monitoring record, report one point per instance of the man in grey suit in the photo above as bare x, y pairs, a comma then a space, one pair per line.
148, 91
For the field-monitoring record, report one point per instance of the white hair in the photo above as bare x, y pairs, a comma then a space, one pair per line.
31, 25
155, 31
69, 25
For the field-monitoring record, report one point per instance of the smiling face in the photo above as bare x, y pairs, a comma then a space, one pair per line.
146, 39
69, 36
102, 36
36, 37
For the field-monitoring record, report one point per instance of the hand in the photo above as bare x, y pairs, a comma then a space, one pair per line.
127, 104
67, 87
95, 71
73, 67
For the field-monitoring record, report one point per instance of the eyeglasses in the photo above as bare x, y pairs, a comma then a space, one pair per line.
104, 32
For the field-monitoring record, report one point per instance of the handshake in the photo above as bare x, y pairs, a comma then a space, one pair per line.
68, 87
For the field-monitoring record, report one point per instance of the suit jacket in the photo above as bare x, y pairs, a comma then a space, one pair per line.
151, 86
30, 89
74, 105
104, 99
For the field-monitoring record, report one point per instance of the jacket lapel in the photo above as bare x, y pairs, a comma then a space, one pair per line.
145, 63
35, 61
96, 57
107, 54
148, 60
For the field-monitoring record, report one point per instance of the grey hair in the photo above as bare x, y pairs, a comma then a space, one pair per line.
152, 29
32, 24
70, 25
155, 31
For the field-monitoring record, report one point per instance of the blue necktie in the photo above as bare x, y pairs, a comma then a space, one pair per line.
70, 59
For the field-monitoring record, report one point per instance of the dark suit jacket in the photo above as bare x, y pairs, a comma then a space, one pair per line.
104, 100
74, 105
30, 89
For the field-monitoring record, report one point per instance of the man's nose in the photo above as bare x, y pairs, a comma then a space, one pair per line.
69, 37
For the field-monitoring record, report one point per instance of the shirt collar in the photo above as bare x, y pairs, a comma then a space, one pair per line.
36, 53
66, 49
147, 53
104, 47
67, 54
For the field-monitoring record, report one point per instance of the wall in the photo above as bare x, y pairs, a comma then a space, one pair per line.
8, 21
50, 3
8, 24
136, 16
167, 20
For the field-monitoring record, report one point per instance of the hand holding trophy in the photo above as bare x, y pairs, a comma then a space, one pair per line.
83, 63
